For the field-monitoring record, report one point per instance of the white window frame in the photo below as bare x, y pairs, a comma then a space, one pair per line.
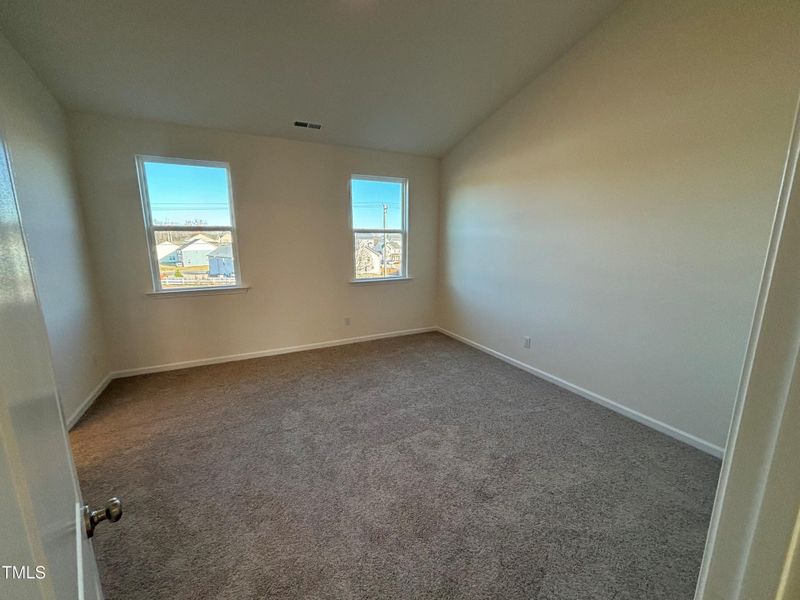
151, 229
404, 272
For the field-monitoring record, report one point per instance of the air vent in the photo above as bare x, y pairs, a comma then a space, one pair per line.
307, 125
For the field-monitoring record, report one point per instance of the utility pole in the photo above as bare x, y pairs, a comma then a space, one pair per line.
383, 250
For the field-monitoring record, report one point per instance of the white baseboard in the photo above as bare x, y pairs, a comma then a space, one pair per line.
669, 430
95, 393
185, 364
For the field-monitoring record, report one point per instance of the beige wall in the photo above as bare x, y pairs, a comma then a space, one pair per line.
291, 201
35, 132
618, 208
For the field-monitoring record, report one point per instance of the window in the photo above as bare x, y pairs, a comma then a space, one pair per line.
188, 213
378, 211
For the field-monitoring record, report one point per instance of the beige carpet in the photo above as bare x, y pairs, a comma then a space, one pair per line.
413, 467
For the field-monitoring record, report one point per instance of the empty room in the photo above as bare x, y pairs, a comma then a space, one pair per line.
399, 299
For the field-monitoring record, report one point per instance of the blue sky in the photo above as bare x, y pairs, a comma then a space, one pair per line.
179, 193
172, 189
368, 198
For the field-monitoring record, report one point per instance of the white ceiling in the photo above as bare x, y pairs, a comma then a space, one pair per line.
406, 75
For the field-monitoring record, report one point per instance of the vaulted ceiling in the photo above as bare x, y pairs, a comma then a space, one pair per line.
406, 75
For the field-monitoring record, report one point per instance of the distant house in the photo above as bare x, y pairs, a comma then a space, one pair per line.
220, 262
194, 253
368, 260
167, 253
393, 252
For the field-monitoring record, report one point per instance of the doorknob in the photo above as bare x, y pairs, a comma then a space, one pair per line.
112, 512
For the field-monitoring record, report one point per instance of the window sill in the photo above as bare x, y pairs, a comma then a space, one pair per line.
379, 280
239, 289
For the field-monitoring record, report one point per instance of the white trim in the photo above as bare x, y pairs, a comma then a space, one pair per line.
185, 364
616, 407
669, 430
380, 280
202, 291
71, 421
390, 178
405, 271
79, 533
95, 393
177, 160
742, 495
150, 228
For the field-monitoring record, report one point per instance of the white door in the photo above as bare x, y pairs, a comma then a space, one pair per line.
44, 551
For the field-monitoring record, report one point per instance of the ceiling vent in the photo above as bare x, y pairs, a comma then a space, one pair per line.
307, 125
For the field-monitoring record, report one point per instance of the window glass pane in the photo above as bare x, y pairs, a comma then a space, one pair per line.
377, 204
378, 255
189, 259
187, 194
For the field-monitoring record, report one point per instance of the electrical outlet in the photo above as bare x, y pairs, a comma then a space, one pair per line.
526, 342
347, 321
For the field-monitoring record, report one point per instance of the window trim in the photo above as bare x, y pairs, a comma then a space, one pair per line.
404, 274
150, 229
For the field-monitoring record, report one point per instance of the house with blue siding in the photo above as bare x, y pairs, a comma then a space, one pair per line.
220, 262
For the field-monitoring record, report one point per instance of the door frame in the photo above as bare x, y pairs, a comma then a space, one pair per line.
18, 502
752, 546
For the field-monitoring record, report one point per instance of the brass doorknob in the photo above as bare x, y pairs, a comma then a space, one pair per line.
112, 512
